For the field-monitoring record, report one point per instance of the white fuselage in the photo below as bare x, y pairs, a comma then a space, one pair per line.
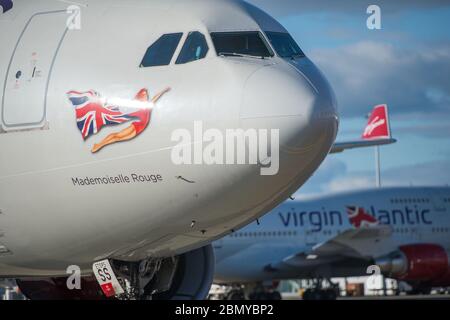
48, 222
415, 215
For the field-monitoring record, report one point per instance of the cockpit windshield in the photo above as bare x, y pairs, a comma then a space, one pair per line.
284, 45
241, 44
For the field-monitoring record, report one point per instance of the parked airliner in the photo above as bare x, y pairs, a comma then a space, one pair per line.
403, 231
90, 96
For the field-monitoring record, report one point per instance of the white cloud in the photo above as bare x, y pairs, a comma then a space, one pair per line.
350, 183
330, 170
430, 130
335, 176
425, 174
366, 73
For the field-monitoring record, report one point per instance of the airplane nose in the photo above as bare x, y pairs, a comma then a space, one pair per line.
296, 99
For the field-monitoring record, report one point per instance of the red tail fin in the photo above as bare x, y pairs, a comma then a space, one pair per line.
378, 125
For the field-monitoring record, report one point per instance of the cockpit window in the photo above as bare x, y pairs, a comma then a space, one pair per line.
240, 43
195, 48
161, 52
284, 45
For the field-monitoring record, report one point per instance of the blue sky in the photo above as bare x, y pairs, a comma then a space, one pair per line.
406, 65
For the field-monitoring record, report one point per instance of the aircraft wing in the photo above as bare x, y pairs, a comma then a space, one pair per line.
341, 146
351, 244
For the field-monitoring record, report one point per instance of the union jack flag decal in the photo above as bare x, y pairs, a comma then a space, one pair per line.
92, 114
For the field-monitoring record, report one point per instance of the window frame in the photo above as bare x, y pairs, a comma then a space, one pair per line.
174, 54
183, 42
276, 51
261, 34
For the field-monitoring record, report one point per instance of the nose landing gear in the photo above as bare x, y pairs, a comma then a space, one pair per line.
143, 279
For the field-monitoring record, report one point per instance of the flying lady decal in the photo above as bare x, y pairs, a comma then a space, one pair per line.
94, 112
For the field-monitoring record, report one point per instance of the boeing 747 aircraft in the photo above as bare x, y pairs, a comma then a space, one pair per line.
405, 232
93, 97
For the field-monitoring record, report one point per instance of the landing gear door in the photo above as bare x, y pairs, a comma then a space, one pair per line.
29, 72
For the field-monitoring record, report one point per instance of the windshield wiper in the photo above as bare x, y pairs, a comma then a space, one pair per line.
243, 55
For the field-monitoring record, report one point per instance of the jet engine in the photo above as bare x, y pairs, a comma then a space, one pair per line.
193, 276
419, 263
185, 277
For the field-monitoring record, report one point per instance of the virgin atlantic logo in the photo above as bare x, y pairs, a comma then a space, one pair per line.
374, 124
359, 218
